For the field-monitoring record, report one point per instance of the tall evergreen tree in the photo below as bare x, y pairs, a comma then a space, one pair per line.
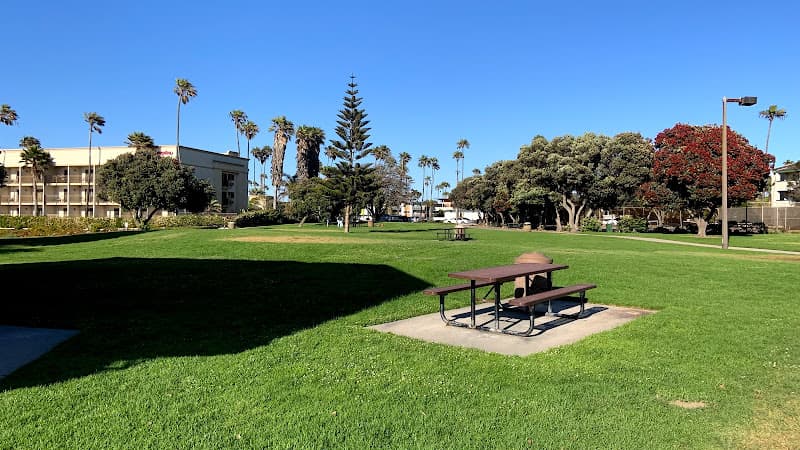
350, 180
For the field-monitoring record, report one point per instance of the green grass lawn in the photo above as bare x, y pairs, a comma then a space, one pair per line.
256, 338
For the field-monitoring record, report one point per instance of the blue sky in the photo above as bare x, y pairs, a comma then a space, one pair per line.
430, 72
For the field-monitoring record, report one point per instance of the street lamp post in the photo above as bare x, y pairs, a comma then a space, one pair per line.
743, 101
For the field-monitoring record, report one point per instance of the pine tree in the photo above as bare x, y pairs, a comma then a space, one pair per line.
349, 180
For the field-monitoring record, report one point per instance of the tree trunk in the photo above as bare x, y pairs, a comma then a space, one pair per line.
571, 213
701, 226
35, 196
302, 221
558, 220
178, 133
275, 199
347, 210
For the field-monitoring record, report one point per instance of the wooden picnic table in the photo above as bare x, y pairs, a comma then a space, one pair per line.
498, 275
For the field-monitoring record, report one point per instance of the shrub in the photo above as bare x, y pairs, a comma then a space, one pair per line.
591, 224
57, 226
260, 218
630, 224
188, 220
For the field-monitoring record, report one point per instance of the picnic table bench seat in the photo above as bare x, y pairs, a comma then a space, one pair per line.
444, 290
530, 301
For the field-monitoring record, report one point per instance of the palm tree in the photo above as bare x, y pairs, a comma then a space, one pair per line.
250, 130
458, 155
284, 130
425, 183
434, 165
381, 153
39, 161
772, 113
309, 141
461, 145
7, 117
330, 153
140, 141
444, 185
185, 91
239, 118
96, 123
262, 154
476, 172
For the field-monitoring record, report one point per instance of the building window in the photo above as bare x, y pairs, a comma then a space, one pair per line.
783, 196
228, 180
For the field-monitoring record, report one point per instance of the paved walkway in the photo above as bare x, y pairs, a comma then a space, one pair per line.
697, 244
21, 345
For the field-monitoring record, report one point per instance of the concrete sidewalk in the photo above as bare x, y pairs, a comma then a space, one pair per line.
550, 331
697, 244
21, 345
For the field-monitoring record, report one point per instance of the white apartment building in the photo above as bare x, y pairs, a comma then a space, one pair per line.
69, 187
781, 177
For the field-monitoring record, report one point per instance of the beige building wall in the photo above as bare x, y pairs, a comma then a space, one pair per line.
69, 190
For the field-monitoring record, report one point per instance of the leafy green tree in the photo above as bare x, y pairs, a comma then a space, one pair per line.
40, 162
349, 180
308, 200
96, 123
284, 130
771, 113
8, 116
185, 91
309, 141
239, 118
144, 183
140, 141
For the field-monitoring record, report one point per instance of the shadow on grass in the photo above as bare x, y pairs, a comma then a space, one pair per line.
130, 310
41, 241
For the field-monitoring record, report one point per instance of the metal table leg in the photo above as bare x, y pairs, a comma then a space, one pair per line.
472, 303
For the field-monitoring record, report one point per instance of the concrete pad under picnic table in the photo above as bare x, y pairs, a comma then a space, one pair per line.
550, 331
21, 345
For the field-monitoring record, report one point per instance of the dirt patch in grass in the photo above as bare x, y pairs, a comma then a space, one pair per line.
303, 240
777, 428
688, 405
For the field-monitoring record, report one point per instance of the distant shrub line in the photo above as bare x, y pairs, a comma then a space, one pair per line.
23, 226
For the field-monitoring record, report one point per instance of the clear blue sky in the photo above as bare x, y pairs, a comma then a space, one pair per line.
430, 72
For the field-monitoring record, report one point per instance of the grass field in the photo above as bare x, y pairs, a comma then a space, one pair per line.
256, 338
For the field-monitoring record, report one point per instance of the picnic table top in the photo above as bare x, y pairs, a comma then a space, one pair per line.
506, 273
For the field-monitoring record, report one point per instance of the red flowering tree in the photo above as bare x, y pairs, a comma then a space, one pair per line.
688, 161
